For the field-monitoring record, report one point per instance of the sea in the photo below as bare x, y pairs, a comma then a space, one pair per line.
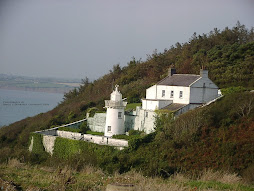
16, 105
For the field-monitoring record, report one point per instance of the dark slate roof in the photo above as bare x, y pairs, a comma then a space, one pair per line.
179, 80
174, 106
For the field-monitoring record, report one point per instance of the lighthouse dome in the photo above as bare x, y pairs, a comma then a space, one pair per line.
116, 95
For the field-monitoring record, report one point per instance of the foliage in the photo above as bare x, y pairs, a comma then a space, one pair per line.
231, 90
94, 133
92, 111
133, 134
38, 147
65, 148
126, 137
132, 106
76, 130
84, 127
38, 154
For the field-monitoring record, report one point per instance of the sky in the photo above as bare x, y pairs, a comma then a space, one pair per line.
85, 38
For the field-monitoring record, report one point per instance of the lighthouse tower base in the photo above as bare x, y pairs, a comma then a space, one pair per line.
114, 122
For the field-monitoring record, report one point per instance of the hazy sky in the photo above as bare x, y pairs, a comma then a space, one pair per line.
78, 38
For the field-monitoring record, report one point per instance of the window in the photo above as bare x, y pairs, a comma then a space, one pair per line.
119, 115
146, 114
172, 94
109, 128
163, 93
181, 94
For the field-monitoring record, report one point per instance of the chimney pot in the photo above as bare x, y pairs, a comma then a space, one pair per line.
171, 71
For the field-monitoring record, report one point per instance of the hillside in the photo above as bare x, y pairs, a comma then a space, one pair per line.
218, 137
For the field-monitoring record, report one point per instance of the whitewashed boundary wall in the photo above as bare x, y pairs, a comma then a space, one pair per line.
50, 135
49, 143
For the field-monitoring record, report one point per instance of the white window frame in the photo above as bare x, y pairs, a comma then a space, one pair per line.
181, 94
109, 129
163, 93
119, 115
171, 93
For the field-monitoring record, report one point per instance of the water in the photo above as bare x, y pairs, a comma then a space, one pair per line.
16, 105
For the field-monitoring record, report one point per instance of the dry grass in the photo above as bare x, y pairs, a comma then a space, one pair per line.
146, 183
180, 177
88, 169
13, 162
91, 178
228, 178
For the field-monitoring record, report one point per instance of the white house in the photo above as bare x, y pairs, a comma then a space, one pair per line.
177, 93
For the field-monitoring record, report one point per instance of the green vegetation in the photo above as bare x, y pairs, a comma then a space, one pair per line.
133, 134
82, 129
38, 147
94, 133
132, 106
76, 130
219, 136
237, 89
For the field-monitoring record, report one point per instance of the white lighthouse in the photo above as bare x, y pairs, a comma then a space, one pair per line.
115, 114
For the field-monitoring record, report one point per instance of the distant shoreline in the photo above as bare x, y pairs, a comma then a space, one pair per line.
35, 89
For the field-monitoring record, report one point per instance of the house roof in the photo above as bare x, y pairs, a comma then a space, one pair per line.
174, 106
179, 80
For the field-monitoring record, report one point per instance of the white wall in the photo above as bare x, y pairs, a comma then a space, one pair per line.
150, 104
101, 140
70, 135
97, 122
145, 122
155, 92
203, 91
49, 143
151, 92
176, 89
154, 104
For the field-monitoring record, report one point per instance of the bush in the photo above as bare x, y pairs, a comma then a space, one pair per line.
230, 90
84, 127
71, 129
134, 132
126, 137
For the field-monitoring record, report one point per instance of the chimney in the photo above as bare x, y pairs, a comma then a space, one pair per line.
171, 71
204, 73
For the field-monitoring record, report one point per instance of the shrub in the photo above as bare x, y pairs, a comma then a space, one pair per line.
84, 127
76, 130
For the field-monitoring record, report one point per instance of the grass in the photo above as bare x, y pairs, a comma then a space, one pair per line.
78, 130
132, 106
126, 137
90, 178
95, 133
75, 130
